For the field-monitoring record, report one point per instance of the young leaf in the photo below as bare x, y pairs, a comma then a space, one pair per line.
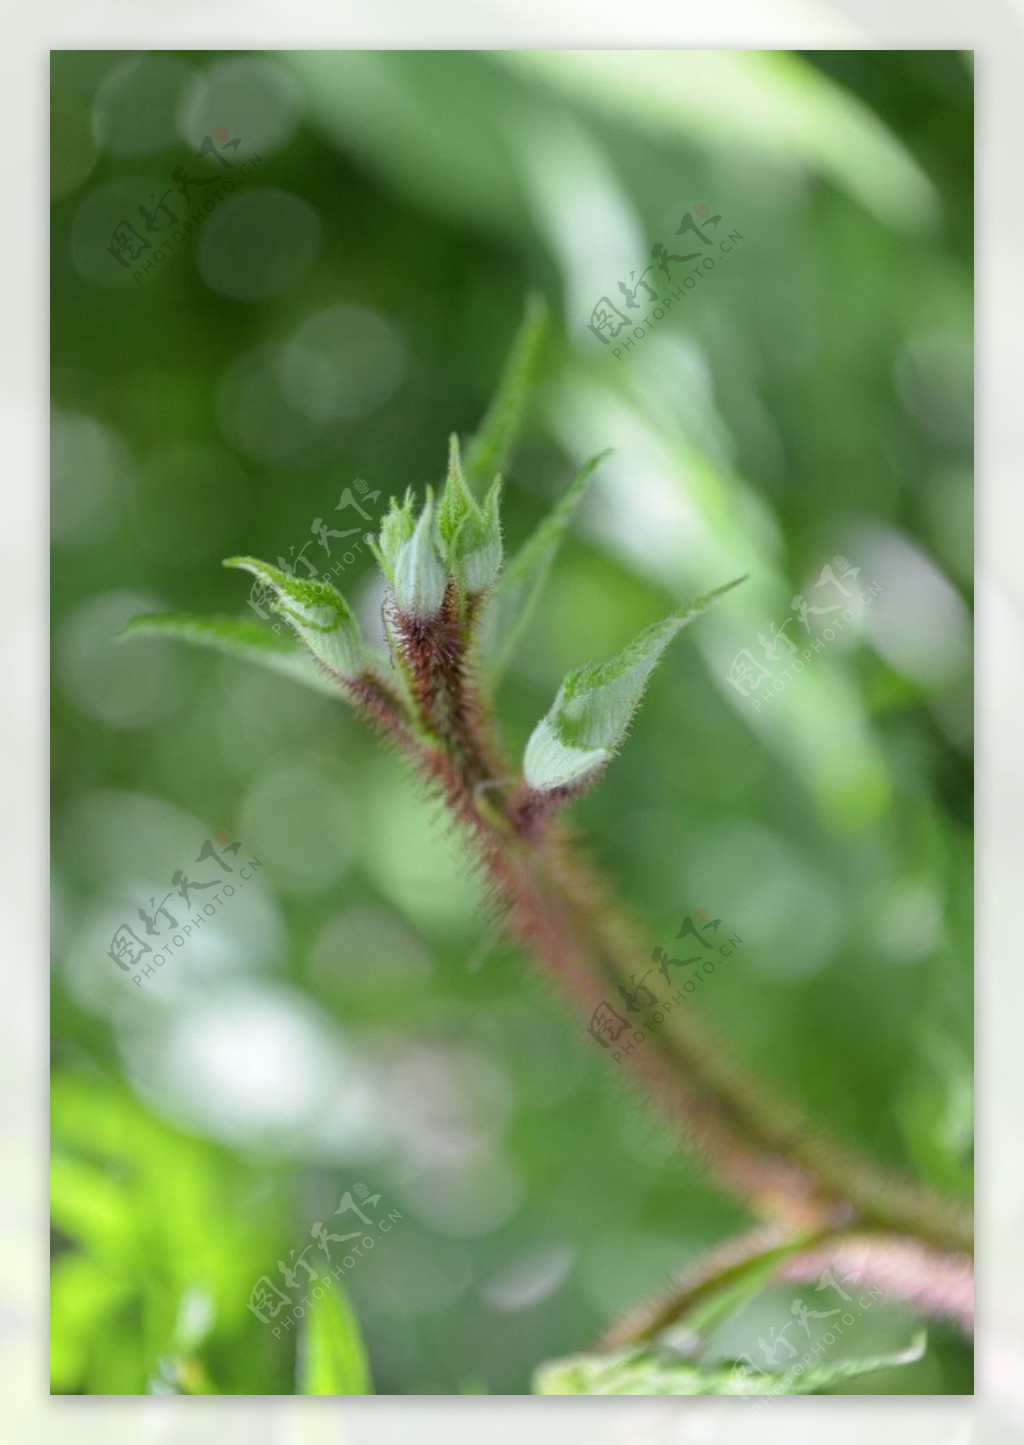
489, 450
396, 528
480, 544
408, 554
653, 1372
518, 588
331, 1357
588, 719
247, 640
469, 534
319, 616
457, 503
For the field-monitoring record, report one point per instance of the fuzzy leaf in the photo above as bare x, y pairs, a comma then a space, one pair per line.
331, 1356
396, 528
489, 450
654, 1372
319, 616
469, 534
417, 574
519, 586
589, 717
247, 640
457, 504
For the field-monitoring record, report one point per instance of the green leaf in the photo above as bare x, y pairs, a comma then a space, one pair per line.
457, 502
589, 718
518, 588
247, 640
489, 449
408, 555
470, 535
318, 615
91, 1206
654, 1372
480, 549
86, 1295
331, 1356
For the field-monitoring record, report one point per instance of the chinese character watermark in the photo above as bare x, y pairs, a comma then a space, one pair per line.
778, 1350
609, 319
784, 649
261, 593
159, 921
700, 944
147, 241
267, 1300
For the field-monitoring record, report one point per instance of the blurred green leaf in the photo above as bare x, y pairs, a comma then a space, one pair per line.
646, 1372
241, 639
489, 450
519, 584
331, 1357
89, 1205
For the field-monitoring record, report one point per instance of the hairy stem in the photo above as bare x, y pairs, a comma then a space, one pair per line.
938, 1284
556, 903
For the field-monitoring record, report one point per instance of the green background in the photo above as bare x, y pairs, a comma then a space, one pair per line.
349, 1018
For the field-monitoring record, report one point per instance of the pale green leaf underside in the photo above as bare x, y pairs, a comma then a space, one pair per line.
653, 1372
235, 638
519, 585
316, 612
331, 1358
595, 704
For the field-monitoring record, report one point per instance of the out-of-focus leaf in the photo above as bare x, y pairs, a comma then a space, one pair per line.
246, 640
491, 447
519, 585
90, 1206
761, 102
331, 1356
649, 1372
84, 1295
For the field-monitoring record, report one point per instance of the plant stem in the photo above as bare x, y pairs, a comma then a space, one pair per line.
557, 904
939, 1285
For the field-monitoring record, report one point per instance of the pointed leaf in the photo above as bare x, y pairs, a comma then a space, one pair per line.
331, 1355
489, 450
457, 504
318, 615
247, 640
594, 706
469, 534
396, 529
519, 586
654, 1372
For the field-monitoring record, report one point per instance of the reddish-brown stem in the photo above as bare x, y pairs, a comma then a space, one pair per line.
556, 904
937, 1284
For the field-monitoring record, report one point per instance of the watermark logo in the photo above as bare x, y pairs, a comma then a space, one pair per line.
778, 1350
261, 593
787, 657
129, 951
129, 246
698, 930
267, 1300
608, 322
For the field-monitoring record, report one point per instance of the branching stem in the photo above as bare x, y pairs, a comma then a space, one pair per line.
558, 906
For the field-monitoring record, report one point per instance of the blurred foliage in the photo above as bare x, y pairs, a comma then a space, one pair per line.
349, 1016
